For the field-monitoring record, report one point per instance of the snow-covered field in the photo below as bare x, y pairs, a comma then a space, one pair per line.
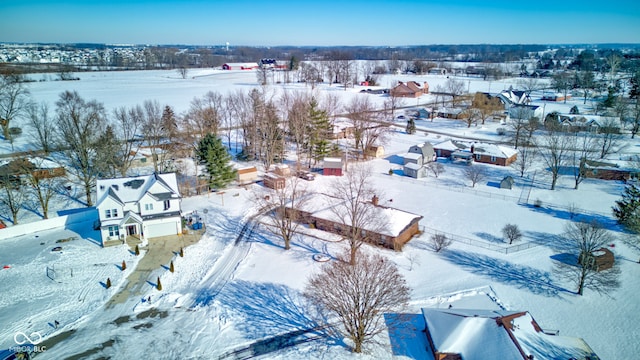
230, 300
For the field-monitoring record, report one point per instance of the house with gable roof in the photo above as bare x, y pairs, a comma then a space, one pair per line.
455, 334
141, 207
409, 89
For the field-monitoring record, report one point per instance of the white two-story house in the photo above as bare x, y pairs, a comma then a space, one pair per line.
143, 207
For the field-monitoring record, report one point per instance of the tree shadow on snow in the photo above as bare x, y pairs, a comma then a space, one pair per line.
605, 221
302, 247
275, 315
553, 241
489, 237
523, 277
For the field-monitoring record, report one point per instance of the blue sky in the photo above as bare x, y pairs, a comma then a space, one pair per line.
320, 23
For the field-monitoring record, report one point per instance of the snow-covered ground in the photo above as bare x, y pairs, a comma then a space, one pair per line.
229, 299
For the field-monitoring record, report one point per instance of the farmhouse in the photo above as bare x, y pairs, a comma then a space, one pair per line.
514, 97
425, 150
582, 122
37, 167
141, 207
392, 228
410, 89
274, 64
481, 152
239, 66
493, 154
469, 334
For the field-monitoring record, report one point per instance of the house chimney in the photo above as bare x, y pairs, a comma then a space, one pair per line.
374, 200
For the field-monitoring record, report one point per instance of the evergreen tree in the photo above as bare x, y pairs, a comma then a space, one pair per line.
213, 154
627, 209
574, 110
411, 126
318, 143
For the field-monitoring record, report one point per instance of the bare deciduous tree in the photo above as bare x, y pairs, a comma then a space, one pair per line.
43, 186
440, 242
435, 168
359, 294
279, 220
39, 121
609, 137
486, 106
553, 148
455, 88
12, 194
475, 174
353, 210
581, 268
526, 157
14, 100
583, 150
511, 232
128, 123
79, 125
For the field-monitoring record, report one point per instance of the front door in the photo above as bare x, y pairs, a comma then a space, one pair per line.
132, 230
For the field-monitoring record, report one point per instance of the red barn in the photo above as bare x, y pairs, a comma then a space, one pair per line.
332, 166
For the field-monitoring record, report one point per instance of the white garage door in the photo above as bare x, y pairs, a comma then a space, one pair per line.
162, 229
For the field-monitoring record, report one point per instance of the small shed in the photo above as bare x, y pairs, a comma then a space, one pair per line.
414, 170
375, 151
332, 166
413, 158
273, 181
247, 175
507, 183
283, 170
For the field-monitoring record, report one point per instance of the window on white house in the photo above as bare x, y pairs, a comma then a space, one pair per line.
148, 207
114, 212
107, 213
167, 204
114, 231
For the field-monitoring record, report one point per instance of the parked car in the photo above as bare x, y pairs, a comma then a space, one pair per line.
306, 175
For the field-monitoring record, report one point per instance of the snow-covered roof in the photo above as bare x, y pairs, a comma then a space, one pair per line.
412, 156
544, 346
485, 334
493, 150
132, 189
474, 334
478, 148
394, 220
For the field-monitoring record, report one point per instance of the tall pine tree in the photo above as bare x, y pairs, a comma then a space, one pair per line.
214, 155
627, 209
319, 132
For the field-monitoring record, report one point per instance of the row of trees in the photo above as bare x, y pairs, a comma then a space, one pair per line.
256, 125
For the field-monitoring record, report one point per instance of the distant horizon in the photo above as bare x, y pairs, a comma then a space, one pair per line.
321, 46
323, 24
